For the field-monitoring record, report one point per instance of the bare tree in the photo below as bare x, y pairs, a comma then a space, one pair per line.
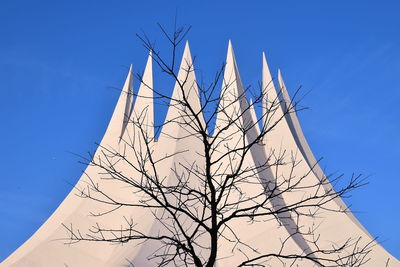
216, 183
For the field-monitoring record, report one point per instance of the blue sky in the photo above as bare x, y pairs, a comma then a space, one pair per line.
59, 60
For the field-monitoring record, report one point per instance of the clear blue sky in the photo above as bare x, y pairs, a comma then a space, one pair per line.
58, 59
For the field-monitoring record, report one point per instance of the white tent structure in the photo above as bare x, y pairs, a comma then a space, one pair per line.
47, 246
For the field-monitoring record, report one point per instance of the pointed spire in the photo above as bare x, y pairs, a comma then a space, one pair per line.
266, 74
125, 101
128, 86
231, 70
119, 118
283, 89
183, 75
232, 87
176, 112
147, 78
143, 110
186, 62
268, 88
234, 103
186, 50
230, 50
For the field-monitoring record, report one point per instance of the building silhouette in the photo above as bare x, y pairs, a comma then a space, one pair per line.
49, 246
